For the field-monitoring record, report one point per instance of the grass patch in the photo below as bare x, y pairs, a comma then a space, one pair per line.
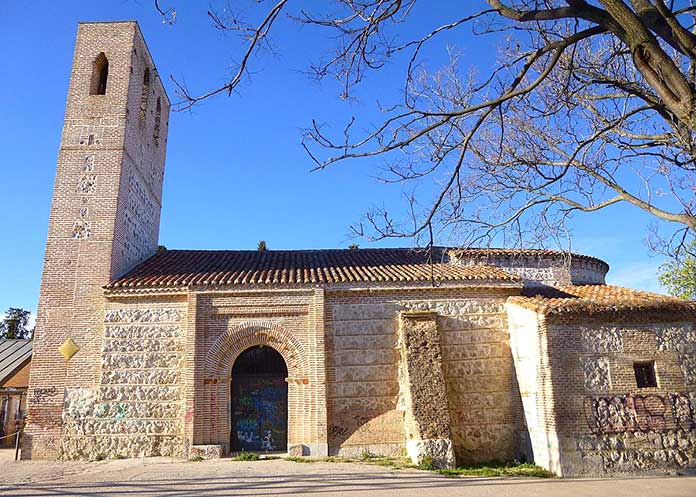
499, 469
332, 459
316, 459
301, 459
364, 458
247, 456
367, 455
196, 459
486, 469
391, 462
367, 458
427, 464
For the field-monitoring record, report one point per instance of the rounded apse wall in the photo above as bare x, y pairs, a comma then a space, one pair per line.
537, 267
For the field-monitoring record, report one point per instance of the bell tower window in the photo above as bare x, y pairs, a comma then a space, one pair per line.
144, 94
158, 119
100, 74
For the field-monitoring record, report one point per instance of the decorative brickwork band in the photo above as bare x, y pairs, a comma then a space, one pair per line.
422, 384
240, 337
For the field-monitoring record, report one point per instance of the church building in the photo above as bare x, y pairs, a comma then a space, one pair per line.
454, 356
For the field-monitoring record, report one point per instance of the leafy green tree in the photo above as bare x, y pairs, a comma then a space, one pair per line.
679, 276
15, 324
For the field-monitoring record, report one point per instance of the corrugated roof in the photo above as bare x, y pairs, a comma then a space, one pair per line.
176, 268
596, 300
13, 353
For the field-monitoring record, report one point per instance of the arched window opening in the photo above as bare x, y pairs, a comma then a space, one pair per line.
260, 361
144, 94
259, 401
100, 74
158, 119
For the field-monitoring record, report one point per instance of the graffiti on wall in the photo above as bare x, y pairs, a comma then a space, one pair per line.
640, 413
384, 427
41, 395
639, 432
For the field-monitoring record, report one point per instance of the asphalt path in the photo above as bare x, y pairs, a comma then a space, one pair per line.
224, 477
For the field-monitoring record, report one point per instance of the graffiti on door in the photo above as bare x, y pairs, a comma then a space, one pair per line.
259, 413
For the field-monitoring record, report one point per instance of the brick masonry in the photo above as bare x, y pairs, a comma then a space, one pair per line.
454, 371
104, 215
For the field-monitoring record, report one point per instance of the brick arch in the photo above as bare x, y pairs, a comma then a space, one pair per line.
226, 349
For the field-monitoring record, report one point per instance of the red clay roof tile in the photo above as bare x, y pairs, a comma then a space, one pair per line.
596, 300
176, 268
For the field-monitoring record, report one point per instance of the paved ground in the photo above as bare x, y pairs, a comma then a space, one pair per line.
164, 477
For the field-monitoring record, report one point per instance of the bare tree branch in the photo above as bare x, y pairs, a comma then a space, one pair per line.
590, 105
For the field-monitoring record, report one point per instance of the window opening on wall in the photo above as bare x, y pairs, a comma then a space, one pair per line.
100, 74
158, 119
645, 374
145, 94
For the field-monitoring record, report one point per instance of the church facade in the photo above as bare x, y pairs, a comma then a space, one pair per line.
449, 355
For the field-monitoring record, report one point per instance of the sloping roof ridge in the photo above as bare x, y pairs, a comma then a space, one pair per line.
13, 353
442, 249
334, 249
526, 251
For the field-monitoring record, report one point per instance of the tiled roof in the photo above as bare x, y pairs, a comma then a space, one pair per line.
13, 353
595, 300
176, 268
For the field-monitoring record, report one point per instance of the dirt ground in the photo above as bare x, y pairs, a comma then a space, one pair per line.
167, 477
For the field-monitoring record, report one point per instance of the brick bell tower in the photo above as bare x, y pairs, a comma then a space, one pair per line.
104, 216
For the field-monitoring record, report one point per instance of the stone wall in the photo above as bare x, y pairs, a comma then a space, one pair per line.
538, 267
422, 387
623, 428
600, 422
137, 410
363, 376
366, 412
164, 379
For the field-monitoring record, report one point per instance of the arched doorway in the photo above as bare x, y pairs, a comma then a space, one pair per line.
259, 399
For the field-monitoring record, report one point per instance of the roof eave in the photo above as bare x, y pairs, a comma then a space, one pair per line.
511, 283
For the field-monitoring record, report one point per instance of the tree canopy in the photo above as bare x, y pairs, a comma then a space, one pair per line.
679, 277
590, 104
15, 324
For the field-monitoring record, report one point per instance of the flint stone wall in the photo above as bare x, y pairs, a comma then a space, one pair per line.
137, 410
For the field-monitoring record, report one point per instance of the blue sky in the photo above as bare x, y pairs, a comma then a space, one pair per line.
236, 172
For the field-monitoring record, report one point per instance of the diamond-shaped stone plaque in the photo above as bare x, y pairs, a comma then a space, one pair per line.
68, 349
